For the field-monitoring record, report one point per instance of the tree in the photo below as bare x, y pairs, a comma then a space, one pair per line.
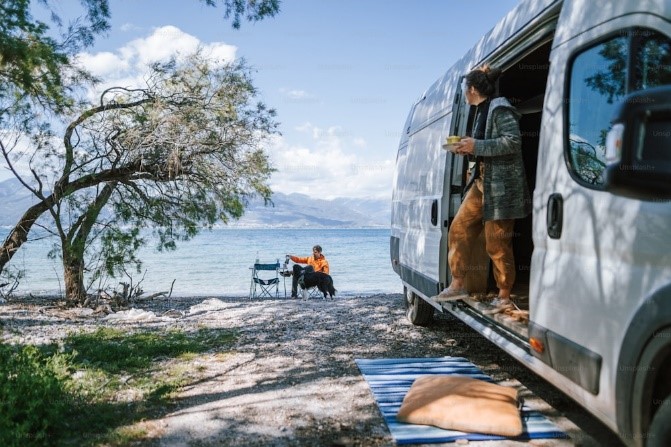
180, 153
37, 81
611, 80
35, 59
252, 10
32, 61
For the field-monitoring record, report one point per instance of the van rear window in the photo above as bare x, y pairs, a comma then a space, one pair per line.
601, 76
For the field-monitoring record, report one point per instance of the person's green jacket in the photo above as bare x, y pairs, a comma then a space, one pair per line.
504, 185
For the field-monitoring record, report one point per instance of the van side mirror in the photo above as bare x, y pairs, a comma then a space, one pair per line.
638, 146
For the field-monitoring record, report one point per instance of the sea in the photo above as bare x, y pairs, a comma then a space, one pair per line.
218, 262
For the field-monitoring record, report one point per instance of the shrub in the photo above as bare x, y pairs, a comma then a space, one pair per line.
33, 401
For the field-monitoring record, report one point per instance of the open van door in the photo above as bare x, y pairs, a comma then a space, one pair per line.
427, 193
417, 208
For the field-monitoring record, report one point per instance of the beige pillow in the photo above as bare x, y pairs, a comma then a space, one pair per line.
463, 404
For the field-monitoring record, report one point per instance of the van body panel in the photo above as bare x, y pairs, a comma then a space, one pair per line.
438, 97
613, 251
584, 15
535, 364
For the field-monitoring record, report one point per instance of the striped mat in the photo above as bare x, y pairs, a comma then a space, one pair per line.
390, 380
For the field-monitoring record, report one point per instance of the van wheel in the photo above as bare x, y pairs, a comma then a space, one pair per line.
659, 433
418, 311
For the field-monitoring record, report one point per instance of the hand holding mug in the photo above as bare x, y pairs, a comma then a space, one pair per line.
465, 146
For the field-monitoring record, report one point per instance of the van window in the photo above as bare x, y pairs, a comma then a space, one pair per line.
598, 82
600, 78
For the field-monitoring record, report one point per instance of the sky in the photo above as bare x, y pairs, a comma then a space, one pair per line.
341, 74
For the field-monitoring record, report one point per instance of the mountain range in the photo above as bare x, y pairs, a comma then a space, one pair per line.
286, 211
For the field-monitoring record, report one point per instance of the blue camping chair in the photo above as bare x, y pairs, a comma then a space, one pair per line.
263, 282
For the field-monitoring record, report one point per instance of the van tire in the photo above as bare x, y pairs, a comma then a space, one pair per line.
659, 433
418, 311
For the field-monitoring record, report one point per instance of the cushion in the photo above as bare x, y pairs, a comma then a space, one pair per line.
463, 404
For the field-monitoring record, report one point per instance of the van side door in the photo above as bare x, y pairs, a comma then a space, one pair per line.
420, 207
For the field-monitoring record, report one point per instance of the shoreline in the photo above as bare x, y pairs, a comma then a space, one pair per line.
53, 297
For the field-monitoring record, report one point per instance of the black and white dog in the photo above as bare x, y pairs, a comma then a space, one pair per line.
323, 282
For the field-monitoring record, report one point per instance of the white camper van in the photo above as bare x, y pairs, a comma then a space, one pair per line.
592, 80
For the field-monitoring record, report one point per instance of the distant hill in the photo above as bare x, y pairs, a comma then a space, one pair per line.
14, 201
298, 210
288, 210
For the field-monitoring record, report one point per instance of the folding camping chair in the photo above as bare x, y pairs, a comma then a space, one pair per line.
263, 282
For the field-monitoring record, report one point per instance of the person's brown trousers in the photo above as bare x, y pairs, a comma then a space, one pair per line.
466, 228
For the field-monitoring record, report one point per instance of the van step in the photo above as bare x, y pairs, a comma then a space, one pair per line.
515, 320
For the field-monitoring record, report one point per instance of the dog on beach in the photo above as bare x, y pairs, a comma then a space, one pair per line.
323, 282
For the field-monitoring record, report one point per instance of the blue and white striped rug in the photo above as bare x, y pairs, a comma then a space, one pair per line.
390, 380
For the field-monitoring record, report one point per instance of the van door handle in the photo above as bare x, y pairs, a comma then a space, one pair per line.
434, 212
555, 215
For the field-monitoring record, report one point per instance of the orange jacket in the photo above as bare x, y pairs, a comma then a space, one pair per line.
320, 265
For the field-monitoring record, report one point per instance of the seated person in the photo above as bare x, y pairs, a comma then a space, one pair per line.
317, 262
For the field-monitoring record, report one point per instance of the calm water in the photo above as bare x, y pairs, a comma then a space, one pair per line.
217, 262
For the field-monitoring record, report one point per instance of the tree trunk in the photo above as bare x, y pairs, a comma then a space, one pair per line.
19, 233
74, 246
73, 276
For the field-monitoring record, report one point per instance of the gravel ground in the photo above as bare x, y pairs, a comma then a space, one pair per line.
291, 379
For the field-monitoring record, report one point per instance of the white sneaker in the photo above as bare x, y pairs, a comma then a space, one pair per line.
498, 305
450, 294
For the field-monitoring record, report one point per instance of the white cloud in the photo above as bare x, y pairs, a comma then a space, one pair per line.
126, 27
305, 127
322, 136
330, 164
128, 64
325, 169
294, 94
103, 64
221, 52
163, 43
21, 151
298, 96
360, 142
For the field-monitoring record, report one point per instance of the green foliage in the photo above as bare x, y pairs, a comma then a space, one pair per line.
175, 156
611, 81
119, 246
10, 278
35, 58
147, 364
51, 397
33, 398
252, 10
35, 55
113, 351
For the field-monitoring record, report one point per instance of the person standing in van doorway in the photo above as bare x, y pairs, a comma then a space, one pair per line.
497, 192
